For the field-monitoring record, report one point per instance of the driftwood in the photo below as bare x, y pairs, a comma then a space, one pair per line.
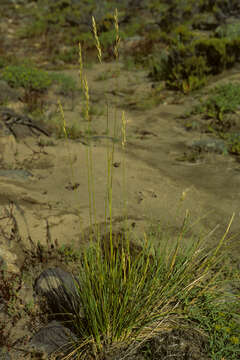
10, 118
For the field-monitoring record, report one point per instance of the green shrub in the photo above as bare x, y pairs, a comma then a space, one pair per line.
67, 83
180, 68
3, 62
182, 33
222, 99
231, 31
233, 50
214, 52
220, 322
34, 29
233, 141
132, 29
107, 38
106, 24
172, 13
34, 81
186, 66
69, 56
28, 77
85, 38
67, 87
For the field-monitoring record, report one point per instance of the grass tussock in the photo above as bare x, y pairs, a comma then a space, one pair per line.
128, 296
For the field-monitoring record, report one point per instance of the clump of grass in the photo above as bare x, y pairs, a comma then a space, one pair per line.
128, 297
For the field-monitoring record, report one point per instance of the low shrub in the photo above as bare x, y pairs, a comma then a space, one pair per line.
35, 82
186, 67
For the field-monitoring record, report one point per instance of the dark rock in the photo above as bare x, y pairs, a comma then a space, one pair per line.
59, 289
53, 337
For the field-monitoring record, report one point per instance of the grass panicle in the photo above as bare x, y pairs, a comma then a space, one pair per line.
98, 46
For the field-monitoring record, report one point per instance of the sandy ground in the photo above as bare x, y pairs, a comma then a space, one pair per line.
154, 178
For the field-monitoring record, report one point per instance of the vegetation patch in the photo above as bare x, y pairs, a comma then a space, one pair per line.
222, 99
35, 82
220, 113
187, 67
220, 324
